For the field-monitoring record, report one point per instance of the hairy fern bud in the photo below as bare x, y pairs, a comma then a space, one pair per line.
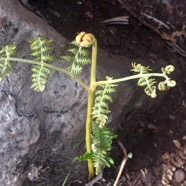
41, 52
5, 66
84, 39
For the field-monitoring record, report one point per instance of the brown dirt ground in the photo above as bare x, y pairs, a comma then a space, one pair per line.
152, 135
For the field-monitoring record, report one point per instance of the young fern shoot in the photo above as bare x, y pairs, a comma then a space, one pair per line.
149, 83
98, 136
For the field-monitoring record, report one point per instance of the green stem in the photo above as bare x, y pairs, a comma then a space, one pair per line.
73, 76
88, 131
91, 94
130, 78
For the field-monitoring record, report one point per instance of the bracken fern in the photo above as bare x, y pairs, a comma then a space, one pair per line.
98, 136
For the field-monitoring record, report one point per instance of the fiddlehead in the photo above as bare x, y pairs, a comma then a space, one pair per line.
165, 85
40, 73
78, 58
5, 66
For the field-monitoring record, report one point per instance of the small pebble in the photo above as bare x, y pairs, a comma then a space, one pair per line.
179, 175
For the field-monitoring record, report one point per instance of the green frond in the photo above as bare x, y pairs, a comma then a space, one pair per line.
83, 61
148, 83
140, 69
84, 157
6, 52
74, 43
103, 105
40, 77
83, 52
41, 53
100, 160
150, 90
74, 68
73, 51
101, 147
41, 49
78, 58
36, 53
100, 109
69, 59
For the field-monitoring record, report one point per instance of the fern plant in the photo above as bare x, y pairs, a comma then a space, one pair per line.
98, 136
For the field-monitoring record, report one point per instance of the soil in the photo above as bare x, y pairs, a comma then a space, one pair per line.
149, 136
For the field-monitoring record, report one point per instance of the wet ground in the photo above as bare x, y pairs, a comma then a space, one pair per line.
157, 140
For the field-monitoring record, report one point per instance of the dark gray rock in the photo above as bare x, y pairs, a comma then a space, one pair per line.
43, 132
17, 134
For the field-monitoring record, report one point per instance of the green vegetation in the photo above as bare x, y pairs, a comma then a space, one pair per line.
98, 136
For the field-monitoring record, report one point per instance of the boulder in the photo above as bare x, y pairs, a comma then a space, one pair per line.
42, 132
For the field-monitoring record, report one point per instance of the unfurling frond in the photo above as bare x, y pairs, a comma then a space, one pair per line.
41, 53
100, 109
140, 69
101, 147
149, 83
6, 52
78, 58
145, 81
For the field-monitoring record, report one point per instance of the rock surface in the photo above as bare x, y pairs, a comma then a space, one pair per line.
17, 134
49, 126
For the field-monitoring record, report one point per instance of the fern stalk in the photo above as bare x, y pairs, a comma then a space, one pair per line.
91, 95
137, 76
72, 75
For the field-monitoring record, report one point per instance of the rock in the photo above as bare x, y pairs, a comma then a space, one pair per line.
43, 132
17, 134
